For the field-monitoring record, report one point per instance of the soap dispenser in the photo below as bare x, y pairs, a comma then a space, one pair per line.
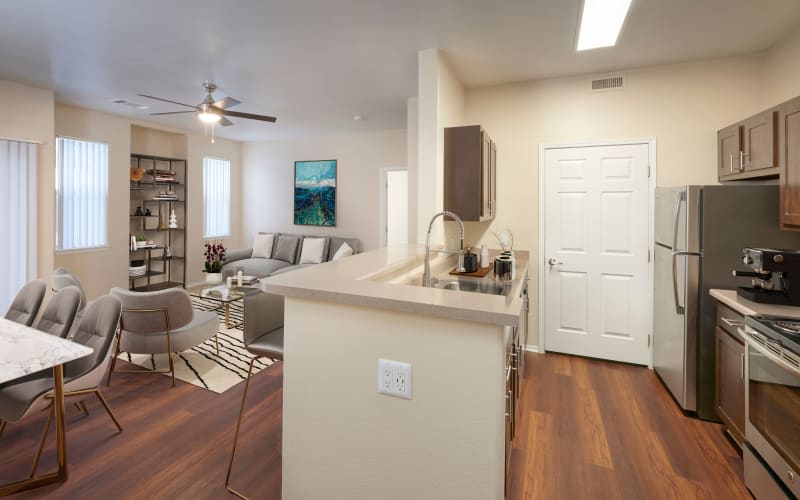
485, 256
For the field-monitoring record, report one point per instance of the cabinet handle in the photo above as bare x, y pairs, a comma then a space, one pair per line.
732, 324
741, 366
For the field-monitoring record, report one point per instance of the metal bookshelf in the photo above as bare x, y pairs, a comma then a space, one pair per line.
162, 271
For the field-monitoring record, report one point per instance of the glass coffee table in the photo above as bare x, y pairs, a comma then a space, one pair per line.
224, 296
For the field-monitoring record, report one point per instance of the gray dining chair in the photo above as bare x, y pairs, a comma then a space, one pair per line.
59, 313
27, 302
263, 338
62, 278
160, 322
82, 376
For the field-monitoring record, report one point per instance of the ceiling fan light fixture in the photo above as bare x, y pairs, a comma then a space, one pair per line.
601, 23
209, 117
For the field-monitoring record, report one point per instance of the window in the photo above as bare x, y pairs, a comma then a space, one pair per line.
17, 217
81, 194
217, 197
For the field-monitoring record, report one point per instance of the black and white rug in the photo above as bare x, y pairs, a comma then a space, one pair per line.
201, 365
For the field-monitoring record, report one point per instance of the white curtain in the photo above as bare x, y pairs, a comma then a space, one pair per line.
17, 197
81, 194
217, 197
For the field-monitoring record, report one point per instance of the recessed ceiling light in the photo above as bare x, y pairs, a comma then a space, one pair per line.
601, 23
358, 118
130, 104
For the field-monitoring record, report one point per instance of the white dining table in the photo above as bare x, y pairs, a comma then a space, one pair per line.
25, 350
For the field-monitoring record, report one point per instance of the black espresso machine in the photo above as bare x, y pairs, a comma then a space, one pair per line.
772, 271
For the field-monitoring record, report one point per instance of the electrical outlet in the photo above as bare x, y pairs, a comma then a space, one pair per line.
394, 378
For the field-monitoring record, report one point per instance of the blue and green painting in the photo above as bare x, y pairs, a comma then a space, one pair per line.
315, 193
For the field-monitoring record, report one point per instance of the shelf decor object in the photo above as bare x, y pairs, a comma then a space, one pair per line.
161, 181
315, 193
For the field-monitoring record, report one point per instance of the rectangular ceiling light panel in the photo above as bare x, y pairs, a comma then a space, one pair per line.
601, 23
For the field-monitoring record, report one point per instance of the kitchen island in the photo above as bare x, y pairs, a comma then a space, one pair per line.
341, 437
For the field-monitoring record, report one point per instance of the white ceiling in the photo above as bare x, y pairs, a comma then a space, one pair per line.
316, 63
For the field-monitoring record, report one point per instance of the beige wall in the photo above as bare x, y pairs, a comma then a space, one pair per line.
101, 269
682, 106
28, 114
441, 104
782, 70
268, 182
200, 147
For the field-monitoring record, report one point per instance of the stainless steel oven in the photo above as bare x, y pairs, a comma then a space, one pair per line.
772, 403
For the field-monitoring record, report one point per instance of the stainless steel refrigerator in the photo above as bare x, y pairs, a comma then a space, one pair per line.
700, 232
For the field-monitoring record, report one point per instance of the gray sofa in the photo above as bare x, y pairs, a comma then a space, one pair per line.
261, 268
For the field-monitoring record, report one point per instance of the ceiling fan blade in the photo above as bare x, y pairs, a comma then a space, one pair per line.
166, 100
173, 113
250, 116
224, 122
227, 102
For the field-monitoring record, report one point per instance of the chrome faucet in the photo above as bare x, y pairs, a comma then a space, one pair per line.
426, 275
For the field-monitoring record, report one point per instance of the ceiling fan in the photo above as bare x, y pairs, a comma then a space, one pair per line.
212, 111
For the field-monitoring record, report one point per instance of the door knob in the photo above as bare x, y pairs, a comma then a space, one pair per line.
554, 262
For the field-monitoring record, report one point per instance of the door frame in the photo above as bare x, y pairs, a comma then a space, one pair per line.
651, 188
384, 179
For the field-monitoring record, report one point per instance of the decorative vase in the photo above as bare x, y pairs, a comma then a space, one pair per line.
213, 278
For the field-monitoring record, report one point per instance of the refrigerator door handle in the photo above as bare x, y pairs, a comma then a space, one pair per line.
678, 307
677, 218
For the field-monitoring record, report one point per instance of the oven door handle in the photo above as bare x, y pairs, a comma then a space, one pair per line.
770, 355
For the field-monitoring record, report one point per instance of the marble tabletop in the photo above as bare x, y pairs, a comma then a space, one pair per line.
25, 350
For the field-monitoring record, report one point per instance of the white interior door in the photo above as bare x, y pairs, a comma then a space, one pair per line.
395, 216
596, 271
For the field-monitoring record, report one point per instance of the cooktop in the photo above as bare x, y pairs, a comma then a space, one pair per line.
786, 331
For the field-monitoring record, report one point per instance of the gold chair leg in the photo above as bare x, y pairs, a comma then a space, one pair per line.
81, 406
2, 426
108, 408
113, 359
236, 434
42, 440
216, 341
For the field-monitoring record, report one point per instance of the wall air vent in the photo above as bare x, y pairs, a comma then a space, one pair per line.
610, 83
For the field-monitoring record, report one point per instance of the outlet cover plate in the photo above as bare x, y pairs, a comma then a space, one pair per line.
394, 378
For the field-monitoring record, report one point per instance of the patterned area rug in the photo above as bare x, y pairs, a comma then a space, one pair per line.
201, 365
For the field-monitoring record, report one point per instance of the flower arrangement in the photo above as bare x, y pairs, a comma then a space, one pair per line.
505, 239
215, 255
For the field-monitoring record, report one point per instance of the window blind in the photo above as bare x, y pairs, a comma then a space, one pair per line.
17, 197
217, 197
81, 194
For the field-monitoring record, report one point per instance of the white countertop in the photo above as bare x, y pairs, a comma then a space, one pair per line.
750, 308
25, 350
366, 280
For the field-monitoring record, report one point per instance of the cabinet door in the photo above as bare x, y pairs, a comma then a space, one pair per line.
729, 145
789, 133
486, 193
760, 141
730, 383
493, 181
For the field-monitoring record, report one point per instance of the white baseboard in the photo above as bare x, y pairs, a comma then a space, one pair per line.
532, 348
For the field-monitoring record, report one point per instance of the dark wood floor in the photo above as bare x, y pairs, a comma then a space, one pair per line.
588, 429
593, 429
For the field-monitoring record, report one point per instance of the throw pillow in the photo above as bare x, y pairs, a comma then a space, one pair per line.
312, 250
286, 250
262, 246
344, 251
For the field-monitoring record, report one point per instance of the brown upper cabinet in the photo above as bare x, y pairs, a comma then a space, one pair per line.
749, 149
470, 173
789, 141
729, 151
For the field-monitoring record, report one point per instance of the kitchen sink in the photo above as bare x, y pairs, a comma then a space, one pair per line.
477, 286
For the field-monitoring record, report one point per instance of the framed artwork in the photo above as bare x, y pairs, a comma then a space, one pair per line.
315, 193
